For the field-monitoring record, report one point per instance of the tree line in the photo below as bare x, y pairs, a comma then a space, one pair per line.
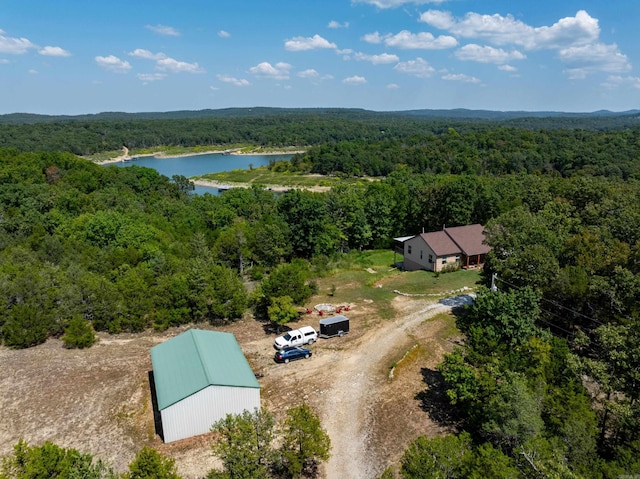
496, 151
91, 134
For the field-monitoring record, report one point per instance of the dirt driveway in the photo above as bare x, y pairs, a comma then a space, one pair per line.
99, 401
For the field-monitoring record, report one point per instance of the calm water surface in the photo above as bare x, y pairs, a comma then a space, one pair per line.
197, 165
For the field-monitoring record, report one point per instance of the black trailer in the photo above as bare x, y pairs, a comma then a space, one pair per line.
335, 326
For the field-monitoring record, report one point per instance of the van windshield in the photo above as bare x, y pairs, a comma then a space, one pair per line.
287, 337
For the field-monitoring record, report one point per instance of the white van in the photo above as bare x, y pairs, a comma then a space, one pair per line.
297, 337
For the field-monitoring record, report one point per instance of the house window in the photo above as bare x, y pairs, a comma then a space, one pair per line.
430, 258
420, 254
409, 249
457, 257
444, 260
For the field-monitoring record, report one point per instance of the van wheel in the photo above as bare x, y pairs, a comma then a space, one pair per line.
306, 356
311, 341
340, 334
286, 360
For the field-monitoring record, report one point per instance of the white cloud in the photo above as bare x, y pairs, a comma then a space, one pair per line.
616, 81
165, 63
487, 54
374, 37
224, 34
393, 86
298, 44
33, 72
279, 71
146, 54
461, 78
309, 73
583, 60
233, 80
502, 30
4, 61
438, 19
381, 59
396, 3
164, 30
407, 40
354, 80
579, 30
334, 24
151, 77
113, 64
418, 67
507, 68
175, 66
15, 46
54, 52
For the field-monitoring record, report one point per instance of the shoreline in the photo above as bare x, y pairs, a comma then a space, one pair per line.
163, 154
274, 188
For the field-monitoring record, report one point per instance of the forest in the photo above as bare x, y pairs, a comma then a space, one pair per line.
547, 383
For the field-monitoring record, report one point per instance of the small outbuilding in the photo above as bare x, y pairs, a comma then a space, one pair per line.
200, 377
334, 326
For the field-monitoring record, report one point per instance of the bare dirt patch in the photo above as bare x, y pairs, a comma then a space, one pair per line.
98, 400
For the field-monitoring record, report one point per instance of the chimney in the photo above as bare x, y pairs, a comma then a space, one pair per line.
443, 227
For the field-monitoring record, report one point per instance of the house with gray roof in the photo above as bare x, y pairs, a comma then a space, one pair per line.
200, 377
458, 247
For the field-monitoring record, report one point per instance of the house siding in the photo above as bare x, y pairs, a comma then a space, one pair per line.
413, 261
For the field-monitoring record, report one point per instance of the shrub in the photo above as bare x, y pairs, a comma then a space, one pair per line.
79, 334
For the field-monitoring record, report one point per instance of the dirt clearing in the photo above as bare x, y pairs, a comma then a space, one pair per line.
98, 400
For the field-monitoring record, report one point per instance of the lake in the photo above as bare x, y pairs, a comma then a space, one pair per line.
197, 165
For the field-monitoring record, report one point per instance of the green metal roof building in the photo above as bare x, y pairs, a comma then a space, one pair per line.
200, 377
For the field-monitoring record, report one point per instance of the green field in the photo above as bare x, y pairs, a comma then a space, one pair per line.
263, 176
371, 276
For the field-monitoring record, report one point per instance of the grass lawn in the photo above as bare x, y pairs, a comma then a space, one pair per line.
265, 177
371, 276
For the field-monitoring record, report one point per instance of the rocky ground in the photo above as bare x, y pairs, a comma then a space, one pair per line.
368, 388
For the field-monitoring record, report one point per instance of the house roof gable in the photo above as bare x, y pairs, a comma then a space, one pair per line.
196, 359
469, 238
440, 243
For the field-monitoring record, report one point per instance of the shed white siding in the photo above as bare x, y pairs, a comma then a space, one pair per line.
196, 414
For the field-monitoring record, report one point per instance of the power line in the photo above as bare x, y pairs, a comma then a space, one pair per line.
577, 313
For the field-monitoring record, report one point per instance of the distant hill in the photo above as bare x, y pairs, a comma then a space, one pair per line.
347, 113
461, 113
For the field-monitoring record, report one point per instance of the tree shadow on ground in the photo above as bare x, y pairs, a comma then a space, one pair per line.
434, 400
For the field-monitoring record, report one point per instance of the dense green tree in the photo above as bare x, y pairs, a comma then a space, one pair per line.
487, 461
289, 279
51, 461
305, 443
438, 458
150, 464
504, 318
460, 378
244, 445
78, 334
305, 214
512, 414
281, 311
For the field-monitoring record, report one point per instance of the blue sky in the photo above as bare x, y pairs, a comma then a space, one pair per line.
89, 56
